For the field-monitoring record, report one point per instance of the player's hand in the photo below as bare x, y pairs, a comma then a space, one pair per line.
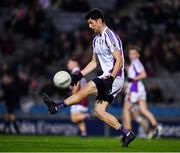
75, 78
108, 81
130, 80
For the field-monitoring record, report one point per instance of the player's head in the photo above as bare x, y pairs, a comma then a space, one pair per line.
133, 52
72, 63
95, 20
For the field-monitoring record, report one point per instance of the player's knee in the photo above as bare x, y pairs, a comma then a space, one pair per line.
90, 88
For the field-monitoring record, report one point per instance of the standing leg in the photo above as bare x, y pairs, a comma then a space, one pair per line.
82, 128
79, 118
127, 115
147, 113
101, 113
141, 120
156, 130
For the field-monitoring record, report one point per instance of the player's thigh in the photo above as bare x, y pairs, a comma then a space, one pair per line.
135, 114
127, 106
90, 88
143, 105
75, 115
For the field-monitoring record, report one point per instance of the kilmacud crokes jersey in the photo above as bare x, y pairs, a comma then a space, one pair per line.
104, 44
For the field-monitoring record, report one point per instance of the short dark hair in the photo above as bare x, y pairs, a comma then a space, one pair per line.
133, 47
75, 58
95, 14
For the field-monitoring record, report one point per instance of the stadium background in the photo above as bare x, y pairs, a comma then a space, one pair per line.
38, 36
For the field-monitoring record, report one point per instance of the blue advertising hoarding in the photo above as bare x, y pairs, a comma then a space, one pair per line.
94, 127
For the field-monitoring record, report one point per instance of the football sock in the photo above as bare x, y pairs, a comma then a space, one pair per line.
154, 126
123, 131
61, 105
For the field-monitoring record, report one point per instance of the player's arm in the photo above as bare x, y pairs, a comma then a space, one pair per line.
140, 70
91, 65
142, 75
118, 63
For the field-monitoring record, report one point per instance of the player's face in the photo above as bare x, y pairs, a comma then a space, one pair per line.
133, 54
94, 25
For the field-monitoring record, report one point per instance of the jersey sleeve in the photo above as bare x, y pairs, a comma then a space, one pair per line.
113, 41
94, 45
138, 66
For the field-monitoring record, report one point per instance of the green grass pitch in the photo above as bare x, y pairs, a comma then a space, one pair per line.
26, 143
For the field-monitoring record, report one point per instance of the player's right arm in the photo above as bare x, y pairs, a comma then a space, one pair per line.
91, 65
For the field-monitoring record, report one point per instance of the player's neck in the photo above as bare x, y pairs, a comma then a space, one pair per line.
102, 28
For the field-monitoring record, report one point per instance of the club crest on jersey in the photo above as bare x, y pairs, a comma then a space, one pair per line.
114, 45
101, 42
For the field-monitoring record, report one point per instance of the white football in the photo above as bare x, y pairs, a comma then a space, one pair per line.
62, 79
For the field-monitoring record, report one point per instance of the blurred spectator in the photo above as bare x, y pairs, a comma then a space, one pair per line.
7, 44
75, 6
155, 94
11, 96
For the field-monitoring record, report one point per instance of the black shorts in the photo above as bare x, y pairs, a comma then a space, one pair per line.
102, 95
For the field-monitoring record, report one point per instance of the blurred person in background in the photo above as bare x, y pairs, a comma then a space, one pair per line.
79, 112
135, 114
136, 93
11, 96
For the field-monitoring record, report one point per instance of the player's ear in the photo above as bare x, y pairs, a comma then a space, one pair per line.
99, 20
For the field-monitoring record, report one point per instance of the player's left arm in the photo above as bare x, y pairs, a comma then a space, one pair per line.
141, 71
142, 75
118, 62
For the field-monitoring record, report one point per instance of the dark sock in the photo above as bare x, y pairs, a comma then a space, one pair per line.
123, 131
61, 105
154, 126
